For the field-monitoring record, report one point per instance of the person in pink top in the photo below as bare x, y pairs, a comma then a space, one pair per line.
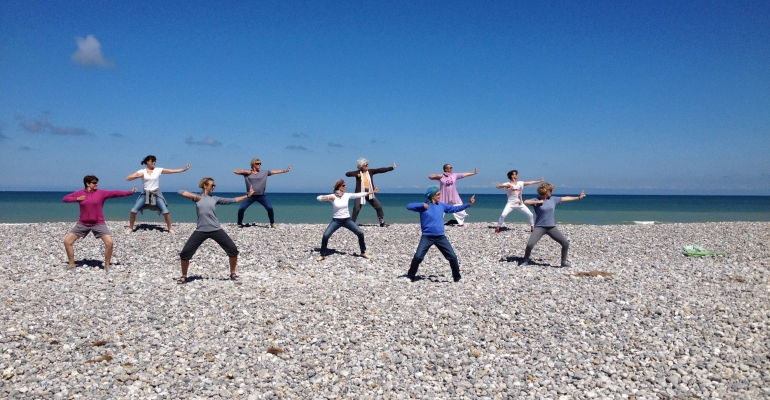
448, 189
91, 219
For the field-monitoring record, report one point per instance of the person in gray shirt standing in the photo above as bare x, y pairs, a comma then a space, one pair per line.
545, 223
208, 226
257, 180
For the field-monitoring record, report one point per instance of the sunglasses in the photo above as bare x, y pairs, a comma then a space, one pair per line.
94, 183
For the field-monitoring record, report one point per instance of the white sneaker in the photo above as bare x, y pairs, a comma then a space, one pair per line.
129, 231
171, 232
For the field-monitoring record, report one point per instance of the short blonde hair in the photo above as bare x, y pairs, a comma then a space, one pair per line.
205, 181
544, 188
254, 161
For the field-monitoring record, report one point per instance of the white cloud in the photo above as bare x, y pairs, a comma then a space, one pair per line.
89, 53
43, 125
208, 141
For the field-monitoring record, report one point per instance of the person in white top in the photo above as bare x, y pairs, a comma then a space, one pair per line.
150, 180
513, 188
341, 217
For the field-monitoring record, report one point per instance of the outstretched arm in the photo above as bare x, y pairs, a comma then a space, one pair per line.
135, 175
504, 185
244, 197
532, 202
573, 198
475, 171
176, 171
280, 171
542, 179
245, 172
355, 173
435, 177
191, 196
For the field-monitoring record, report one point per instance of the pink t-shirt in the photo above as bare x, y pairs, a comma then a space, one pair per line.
448, 188
91, 208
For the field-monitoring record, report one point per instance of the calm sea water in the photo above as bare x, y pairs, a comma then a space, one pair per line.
25, 207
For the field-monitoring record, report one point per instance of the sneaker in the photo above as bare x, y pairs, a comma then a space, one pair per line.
524, 263
497, 230
412, 278
273, 226
566, 265
129, 231
383, 225
240, 226
458, 279
171, 232
366, 256
320, 258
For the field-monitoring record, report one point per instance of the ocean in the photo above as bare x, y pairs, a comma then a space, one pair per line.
33, 207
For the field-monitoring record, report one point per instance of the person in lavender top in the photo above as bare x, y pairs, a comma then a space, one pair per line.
151, 196
341, 217
448, 189
91, 201
545, 223
208, 226
432, 226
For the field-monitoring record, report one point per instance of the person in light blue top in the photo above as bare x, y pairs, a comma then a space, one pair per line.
432, 226
545, 223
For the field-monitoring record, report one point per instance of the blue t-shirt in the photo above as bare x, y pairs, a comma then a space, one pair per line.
544, 212
432, 219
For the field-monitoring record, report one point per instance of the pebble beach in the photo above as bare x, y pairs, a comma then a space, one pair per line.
632, 318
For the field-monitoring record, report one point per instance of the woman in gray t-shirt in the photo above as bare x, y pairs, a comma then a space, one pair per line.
208, 226
545, 223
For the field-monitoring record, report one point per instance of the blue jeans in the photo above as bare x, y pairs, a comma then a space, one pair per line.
443, 245
338, 223
143, 198
261, 199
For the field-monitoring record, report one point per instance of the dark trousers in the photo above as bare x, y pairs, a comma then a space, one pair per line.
261, 199
338, 223
197, 238
443, 245
554, 233
374, 202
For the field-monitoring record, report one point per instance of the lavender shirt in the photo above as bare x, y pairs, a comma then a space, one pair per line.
448, 189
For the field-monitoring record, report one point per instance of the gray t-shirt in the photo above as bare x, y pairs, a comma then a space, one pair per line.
207, 214
257, 181
545, 212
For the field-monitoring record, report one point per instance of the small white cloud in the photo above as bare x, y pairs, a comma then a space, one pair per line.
208, 141
89, 53
43, 125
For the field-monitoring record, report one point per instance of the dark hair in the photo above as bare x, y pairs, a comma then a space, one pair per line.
149, 158
339, 183
511, 172
89, 178
445, 165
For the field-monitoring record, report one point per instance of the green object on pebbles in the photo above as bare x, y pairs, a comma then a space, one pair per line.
697, 251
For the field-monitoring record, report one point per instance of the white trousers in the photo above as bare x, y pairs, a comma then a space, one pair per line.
516, 206
460, 216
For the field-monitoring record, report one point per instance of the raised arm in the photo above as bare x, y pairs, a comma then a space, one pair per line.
245, 172
542, 179
135, 175
475, 171
504, 185
191, 196
532, 202
355, 173
244, 197
325, 197
280, 171
435, 177
176, 171
573, 198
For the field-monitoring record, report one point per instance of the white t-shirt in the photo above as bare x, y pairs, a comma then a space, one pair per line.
340, 204
514, 192
151, 181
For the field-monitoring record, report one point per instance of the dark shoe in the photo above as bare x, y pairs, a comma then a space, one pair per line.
234, 277
566, 265
458, 278
524, 263
182, 280
383, 225
412, 278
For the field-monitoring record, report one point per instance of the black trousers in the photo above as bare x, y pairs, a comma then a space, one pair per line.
198, 237
374, 202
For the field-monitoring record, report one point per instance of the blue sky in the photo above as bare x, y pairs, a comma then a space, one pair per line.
612, 97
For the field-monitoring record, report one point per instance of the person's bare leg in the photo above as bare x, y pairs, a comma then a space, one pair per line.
185, 265
233, 262
108, 244
168, 220
69, 240
131, 219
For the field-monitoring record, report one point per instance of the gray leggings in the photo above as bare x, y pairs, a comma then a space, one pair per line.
554, 233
